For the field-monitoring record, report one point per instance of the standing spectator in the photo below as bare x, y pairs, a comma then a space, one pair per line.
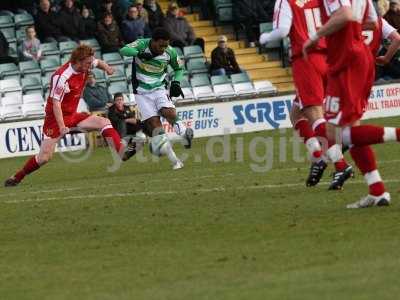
249, 14
71, 20
122, 118
181, 32
4, 49
96, 96
48, 24
108, 34
393, 15
89, 24
134, 27
223, 60
154, 11
30, 48
142, 11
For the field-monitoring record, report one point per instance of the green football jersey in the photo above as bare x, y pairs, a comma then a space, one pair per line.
151, 74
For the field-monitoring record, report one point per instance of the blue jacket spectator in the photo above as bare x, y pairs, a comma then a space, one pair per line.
134, 27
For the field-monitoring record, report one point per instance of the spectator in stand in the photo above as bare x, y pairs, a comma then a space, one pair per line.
181, 31
89, 24
71, 20
249, 14
96, 96
154, 11
48, 24
122, 118
4, 49
30, 48
393, 15
110, 7
142, 11
223, 60
108, 34
134, 27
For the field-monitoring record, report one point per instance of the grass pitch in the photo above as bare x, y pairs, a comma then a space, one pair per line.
208, 231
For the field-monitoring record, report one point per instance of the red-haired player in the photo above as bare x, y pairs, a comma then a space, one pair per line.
299, 20
350, 78
66, 88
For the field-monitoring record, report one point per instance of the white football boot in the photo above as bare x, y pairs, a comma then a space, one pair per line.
369, 200
178, 165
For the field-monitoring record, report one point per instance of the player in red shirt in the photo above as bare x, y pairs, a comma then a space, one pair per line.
299, 20
350, 78
66, 88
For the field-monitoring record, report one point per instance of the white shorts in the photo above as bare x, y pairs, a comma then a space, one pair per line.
150, 104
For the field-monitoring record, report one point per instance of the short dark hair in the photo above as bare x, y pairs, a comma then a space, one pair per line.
117, 95
161, 34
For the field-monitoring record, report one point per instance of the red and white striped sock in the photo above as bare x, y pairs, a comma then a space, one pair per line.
364, 158
112, 137
369, 135
311, 142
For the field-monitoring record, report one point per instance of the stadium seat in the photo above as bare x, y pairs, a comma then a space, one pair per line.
49, 65
100, 75
65, 58
33, 109
67, 47
23, 19
50, 48
127, 60
13, 50
128, 73
31, 84
242, 84
119, 74
46, 81
10, 112
197, 66
32, 98
193, 52
11, 100
118, 87
10, 86
29, 67
187, 91
223, 11
222, 87
20, 35
9, 70
113, 58
264, 87
92, 43
240, 77
5, 12
9, 34
202, 88
6, 21
179, 52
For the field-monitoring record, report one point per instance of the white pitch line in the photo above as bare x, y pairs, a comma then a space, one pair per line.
220, 189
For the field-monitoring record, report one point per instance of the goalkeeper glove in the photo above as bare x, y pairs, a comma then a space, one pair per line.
175, 89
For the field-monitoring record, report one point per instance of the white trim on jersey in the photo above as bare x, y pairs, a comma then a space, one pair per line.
333, 5
59, 84
387, 29
283, 18
372, 15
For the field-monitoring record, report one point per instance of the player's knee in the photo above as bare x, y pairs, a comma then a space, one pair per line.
44, 158
103, 122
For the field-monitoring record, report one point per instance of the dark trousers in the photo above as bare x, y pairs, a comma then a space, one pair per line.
181, 45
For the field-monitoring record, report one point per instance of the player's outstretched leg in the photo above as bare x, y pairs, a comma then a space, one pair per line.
343, 171
34, 162
364, 135
185, 133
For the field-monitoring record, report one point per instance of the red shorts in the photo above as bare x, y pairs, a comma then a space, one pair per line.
348, 91
50, 127
310, 79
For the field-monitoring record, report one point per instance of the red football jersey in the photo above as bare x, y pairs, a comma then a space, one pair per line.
304, 19
374, 38
66, 85
344, 44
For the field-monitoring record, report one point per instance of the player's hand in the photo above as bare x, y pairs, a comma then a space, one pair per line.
307, 46
382, 60
109, 70
63, 131
175, 89
145, 55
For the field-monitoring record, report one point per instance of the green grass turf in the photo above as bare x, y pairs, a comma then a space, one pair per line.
208, 231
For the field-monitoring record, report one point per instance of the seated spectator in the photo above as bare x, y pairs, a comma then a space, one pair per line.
393, 15
134, 27
108, 34
223, 60
71, 20
96, 96
89, 24
249, 14
122, 118
181, 32
48, 24
142, 11
30, 48
4, 51
110, 7
155, 13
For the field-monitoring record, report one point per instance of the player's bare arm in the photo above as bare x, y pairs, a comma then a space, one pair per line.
394, 38
102, 65
337, 21
59, 117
